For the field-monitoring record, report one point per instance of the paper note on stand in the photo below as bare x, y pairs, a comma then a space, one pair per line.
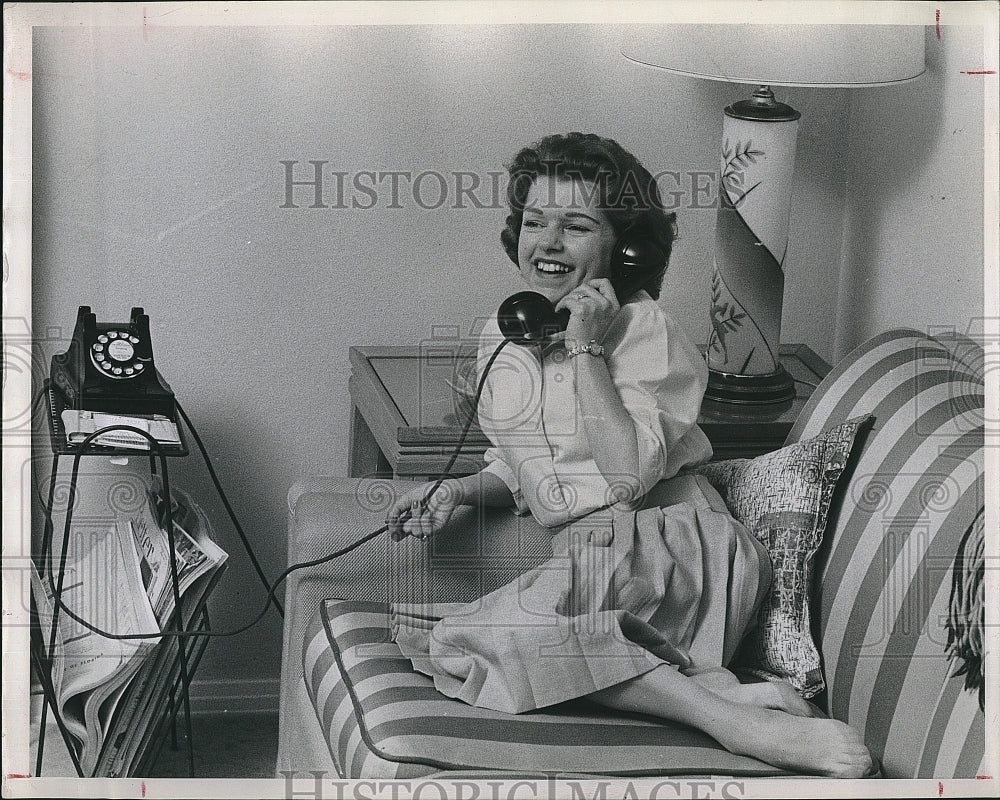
80, 424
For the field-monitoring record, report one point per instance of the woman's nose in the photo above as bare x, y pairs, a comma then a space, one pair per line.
551, 238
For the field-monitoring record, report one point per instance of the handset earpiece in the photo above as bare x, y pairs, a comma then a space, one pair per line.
529, 318
636, 260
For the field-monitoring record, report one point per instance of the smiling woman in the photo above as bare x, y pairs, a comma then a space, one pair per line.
640, 608
622, 418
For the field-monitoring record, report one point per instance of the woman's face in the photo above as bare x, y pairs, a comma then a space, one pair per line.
566, 239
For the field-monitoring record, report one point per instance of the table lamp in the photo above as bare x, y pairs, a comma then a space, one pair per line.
757, 164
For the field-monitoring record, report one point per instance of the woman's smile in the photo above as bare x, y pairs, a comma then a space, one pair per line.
552, 267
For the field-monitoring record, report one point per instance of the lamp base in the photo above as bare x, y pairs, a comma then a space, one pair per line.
727, 387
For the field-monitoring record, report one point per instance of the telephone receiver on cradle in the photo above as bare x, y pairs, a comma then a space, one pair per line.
530, 318
109, 367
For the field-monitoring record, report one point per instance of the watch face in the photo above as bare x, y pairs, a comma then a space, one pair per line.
591, 347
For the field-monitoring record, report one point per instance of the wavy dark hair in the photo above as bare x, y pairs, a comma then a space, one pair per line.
627, 192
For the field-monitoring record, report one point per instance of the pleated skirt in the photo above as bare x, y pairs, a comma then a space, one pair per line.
624, 593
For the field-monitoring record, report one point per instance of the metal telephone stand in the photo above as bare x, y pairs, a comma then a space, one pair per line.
51, 568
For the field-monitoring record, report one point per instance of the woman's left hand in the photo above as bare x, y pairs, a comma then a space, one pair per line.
592, 307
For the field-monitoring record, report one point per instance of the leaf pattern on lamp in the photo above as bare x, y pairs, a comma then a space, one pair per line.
747, 278
735, 160
725, 316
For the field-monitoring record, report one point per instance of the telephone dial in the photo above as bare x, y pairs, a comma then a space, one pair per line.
109, 367
530, 318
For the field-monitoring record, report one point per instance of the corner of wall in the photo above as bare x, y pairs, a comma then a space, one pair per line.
843, 341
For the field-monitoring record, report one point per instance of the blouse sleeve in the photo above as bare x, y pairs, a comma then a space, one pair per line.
661, 378
495, 465
489, 338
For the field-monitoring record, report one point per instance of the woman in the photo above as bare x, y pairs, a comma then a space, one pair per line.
639, 610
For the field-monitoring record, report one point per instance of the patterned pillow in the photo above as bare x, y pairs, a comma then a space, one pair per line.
783, 498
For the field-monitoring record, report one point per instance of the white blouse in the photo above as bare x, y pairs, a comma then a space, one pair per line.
530, 413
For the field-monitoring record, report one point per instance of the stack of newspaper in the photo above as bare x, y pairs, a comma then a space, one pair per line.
113, 694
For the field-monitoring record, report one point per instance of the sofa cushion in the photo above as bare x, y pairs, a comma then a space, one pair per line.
884, 573
783, 498
383, 719
476, 552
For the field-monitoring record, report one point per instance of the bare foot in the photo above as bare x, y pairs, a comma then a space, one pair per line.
718, 681
825, 747
777, 695
799, 744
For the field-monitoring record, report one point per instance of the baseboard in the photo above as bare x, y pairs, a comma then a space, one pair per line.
247, 696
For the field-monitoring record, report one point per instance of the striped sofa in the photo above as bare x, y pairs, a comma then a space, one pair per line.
894, 609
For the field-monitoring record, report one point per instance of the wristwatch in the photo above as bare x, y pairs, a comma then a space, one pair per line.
591, 347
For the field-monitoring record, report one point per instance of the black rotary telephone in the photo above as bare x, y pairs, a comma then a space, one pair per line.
530, 318
109, 367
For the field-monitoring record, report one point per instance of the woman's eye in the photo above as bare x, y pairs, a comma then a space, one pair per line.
578, 228
531, 223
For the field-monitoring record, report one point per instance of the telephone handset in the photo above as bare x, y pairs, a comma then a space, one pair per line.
109, 367
530, 318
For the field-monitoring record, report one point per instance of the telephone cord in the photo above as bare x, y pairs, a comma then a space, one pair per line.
215, 479
61, 606
229, 508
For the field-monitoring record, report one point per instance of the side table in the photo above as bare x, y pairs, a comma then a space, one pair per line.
404, 421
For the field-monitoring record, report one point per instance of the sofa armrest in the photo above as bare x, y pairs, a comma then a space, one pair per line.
913, 491
477, 552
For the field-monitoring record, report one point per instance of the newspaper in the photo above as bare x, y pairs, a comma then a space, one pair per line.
151, 544
89, 670
140, 717
119, 581
154, 690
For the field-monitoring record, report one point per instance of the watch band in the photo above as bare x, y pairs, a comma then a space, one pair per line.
591, 348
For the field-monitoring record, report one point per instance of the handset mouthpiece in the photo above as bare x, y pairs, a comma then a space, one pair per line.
529, 318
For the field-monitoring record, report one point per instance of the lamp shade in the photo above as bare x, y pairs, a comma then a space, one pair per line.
783, 55
756, 168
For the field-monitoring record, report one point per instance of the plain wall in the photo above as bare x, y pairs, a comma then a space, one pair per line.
158, 182
913, 243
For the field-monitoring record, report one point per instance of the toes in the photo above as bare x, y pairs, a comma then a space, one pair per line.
874, 769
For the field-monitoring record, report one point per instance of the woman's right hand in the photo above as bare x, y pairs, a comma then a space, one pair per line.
411, 516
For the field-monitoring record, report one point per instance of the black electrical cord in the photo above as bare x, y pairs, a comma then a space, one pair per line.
215, 480
60, 605
229, 508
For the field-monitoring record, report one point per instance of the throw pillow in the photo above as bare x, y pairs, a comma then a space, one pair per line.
783, 498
